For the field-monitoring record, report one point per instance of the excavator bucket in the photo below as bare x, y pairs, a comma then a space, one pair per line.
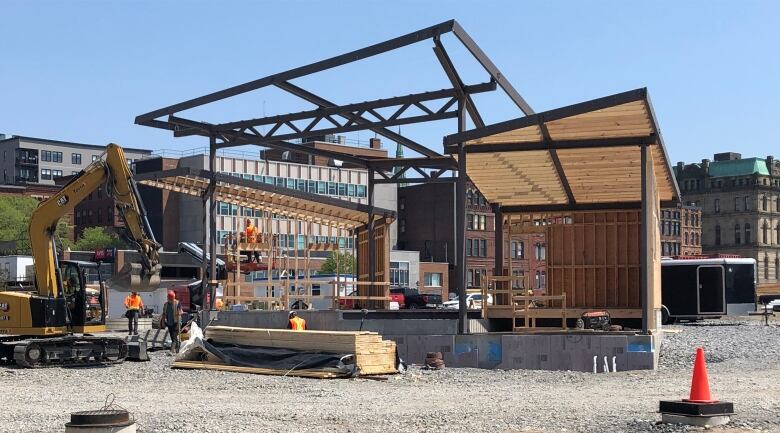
133, 278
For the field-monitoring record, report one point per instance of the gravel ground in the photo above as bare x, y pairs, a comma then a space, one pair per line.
742, 360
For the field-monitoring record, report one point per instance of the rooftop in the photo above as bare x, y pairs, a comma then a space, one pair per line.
67, 143
738, 167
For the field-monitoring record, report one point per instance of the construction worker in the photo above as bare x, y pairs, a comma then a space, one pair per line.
134, 305
219, 304
251, 237
171, 319
296, 323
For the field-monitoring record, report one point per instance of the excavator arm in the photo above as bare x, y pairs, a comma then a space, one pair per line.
113, 172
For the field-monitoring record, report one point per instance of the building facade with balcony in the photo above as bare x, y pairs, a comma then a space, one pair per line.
30, 160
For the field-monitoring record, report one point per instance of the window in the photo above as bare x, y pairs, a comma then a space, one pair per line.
74, 172
698, 239
736, 204
300, 184
717, 208
517, 249
343, 189
57, 173
479, 274
685, 238
482, 219
777, 231
540, 252
289, 183
482, 248
777, 268
468, 247
664, 249
469, 221
56, 156
402, 225
766, 267
764, 203
470, 278
433, 279
777, 204
332, 188
765, 233
94, 158
737, 235
100, 216
45, 174
46, 155
360, 190
322, 187
717, 234
747, 233
399, 274
75, 158
540, 279
520, 282
315, 290
747, 203
469, 196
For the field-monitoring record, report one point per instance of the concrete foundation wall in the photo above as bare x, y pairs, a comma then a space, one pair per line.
416, 337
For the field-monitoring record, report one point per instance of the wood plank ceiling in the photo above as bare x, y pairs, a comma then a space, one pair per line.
595, 174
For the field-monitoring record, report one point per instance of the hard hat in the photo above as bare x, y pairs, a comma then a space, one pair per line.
292, 314
171, 294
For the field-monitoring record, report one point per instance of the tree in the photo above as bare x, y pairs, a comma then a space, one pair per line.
345, 260
15, 213
93, 238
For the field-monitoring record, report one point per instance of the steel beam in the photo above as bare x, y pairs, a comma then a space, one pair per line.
243, 138
348, 110
457, 83
322, 65
644, 246
557, 163
415, 180
491, 68
622, 205
446, 162
460, 221
317, 100
558, 144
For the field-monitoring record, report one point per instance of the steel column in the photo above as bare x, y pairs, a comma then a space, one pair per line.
644, 257
212, 223
460, 230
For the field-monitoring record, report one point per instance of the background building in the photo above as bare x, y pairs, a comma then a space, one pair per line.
26, 160
740, 202
681, 231
426, 224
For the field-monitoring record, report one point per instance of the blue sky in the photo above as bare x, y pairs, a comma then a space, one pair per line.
82, 70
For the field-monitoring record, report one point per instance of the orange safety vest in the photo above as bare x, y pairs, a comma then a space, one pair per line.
251, 230
297, 324
133, 302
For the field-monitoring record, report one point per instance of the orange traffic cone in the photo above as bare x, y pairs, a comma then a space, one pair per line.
700, 384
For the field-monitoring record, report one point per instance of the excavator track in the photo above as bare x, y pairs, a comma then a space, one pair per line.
69, 351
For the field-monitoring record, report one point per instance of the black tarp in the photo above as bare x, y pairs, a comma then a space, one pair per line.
275, 358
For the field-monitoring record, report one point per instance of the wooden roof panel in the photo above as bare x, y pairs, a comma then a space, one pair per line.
516, 177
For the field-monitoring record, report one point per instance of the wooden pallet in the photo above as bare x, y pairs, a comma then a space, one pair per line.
372, 354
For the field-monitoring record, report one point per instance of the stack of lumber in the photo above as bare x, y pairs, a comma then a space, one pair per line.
372, 354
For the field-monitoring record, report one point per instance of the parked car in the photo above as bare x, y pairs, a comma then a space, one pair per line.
413, 299
473, 301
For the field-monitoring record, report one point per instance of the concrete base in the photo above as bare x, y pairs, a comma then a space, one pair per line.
417, 333
700, 421
125, 429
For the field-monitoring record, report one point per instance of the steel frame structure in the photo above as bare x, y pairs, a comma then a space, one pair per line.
457, 102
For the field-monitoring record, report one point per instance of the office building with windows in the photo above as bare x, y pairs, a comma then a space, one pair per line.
740, 207
30, 160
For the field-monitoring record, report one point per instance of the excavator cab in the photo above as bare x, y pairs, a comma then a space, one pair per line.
86, 303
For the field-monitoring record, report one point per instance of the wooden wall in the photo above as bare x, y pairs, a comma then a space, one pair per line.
594, 258
381, 260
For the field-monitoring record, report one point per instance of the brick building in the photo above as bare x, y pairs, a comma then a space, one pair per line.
740, 202
426, 224
680, 229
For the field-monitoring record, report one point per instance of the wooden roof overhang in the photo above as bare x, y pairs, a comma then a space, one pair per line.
583, 156
290, 203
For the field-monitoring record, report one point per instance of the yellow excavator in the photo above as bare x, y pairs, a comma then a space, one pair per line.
53, 324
